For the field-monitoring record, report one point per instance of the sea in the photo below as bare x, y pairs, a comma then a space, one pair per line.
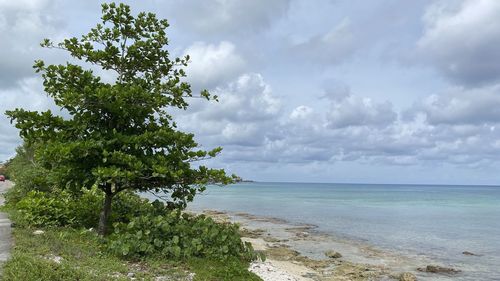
439, 222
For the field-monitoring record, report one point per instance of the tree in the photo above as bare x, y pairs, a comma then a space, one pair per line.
118, 135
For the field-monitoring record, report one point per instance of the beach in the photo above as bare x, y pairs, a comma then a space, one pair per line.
278, 220
299, 252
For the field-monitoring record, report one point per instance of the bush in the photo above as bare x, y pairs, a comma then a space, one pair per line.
128, 205
62, 208
29, 178
38, 209
179, 237
26, 173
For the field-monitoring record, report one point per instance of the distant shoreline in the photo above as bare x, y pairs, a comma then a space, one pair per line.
374, 184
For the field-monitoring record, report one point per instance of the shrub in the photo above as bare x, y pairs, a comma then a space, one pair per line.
62, 208
86, 206
38, 209
26, 173
29, 178
128, 205
179, 236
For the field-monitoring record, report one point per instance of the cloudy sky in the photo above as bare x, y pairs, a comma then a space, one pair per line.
381, 91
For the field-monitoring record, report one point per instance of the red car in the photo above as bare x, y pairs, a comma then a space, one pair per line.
2, 178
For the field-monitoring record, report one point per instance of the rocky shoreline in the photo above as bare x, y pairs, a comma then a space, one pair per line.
300, 253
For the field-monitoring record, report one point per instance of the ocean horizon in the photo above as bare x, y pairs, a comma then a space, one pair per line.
435, 222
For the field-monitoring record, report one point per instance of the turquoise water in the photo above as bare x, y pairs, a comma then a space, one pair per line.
435, 221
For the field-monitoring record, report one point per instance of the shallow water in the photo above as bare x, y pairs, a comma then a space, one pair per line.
436, 222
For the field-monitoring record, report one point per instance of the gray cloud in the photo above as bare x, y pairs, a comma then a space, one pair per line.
27, 94
463, 106
461, 39
355, 111
333, 46
286, 128
243, 116
23, 25
306, 135
221, 16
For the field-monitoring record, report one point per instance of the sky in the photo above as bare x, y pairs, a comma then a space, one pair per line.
380, 91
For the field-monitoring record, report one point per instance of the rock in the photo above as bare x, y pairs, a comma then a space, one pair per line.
115, 275
406, 276
439, 269
333, 254
467, 253
38, 232
302, 234
130, 274
56, 259
191, 276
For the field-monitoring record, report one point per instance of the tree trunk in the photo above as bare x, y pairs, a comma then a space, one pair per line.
105, 212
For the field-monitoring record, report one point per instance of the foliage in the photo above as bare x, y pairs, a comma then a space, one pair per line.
38, 209
119, 135
126, 205
85, 258
179, 236
26, 173
62, 208
82, 258
129, 205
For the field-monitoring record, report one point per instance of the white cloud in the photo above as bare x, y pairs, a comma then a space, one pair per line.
212, 65
28, 5
243, 116
461, 39
459, 127
301, 112
250, 124
350, 110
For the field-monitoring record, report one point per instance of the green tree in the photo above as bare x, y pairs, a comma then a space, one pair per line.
118, 135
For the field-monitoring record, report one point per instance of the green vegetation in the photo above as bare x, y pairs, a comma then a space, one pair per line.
26, 173
149, 242
70, 254
179, 236
117, 139
118, 136
62, 208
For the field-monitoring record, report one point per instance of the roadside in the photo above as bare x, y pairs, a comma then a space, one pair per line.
5, 227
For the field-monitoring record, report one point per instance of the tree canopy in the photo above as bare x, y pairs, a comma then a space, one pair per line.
118, 135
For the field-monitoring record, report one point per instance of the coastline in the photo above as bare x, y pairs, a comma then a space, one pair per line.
298, 253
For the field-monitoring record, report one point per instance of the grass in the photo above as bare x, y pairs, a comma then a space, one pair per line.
83, 257
232, 269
